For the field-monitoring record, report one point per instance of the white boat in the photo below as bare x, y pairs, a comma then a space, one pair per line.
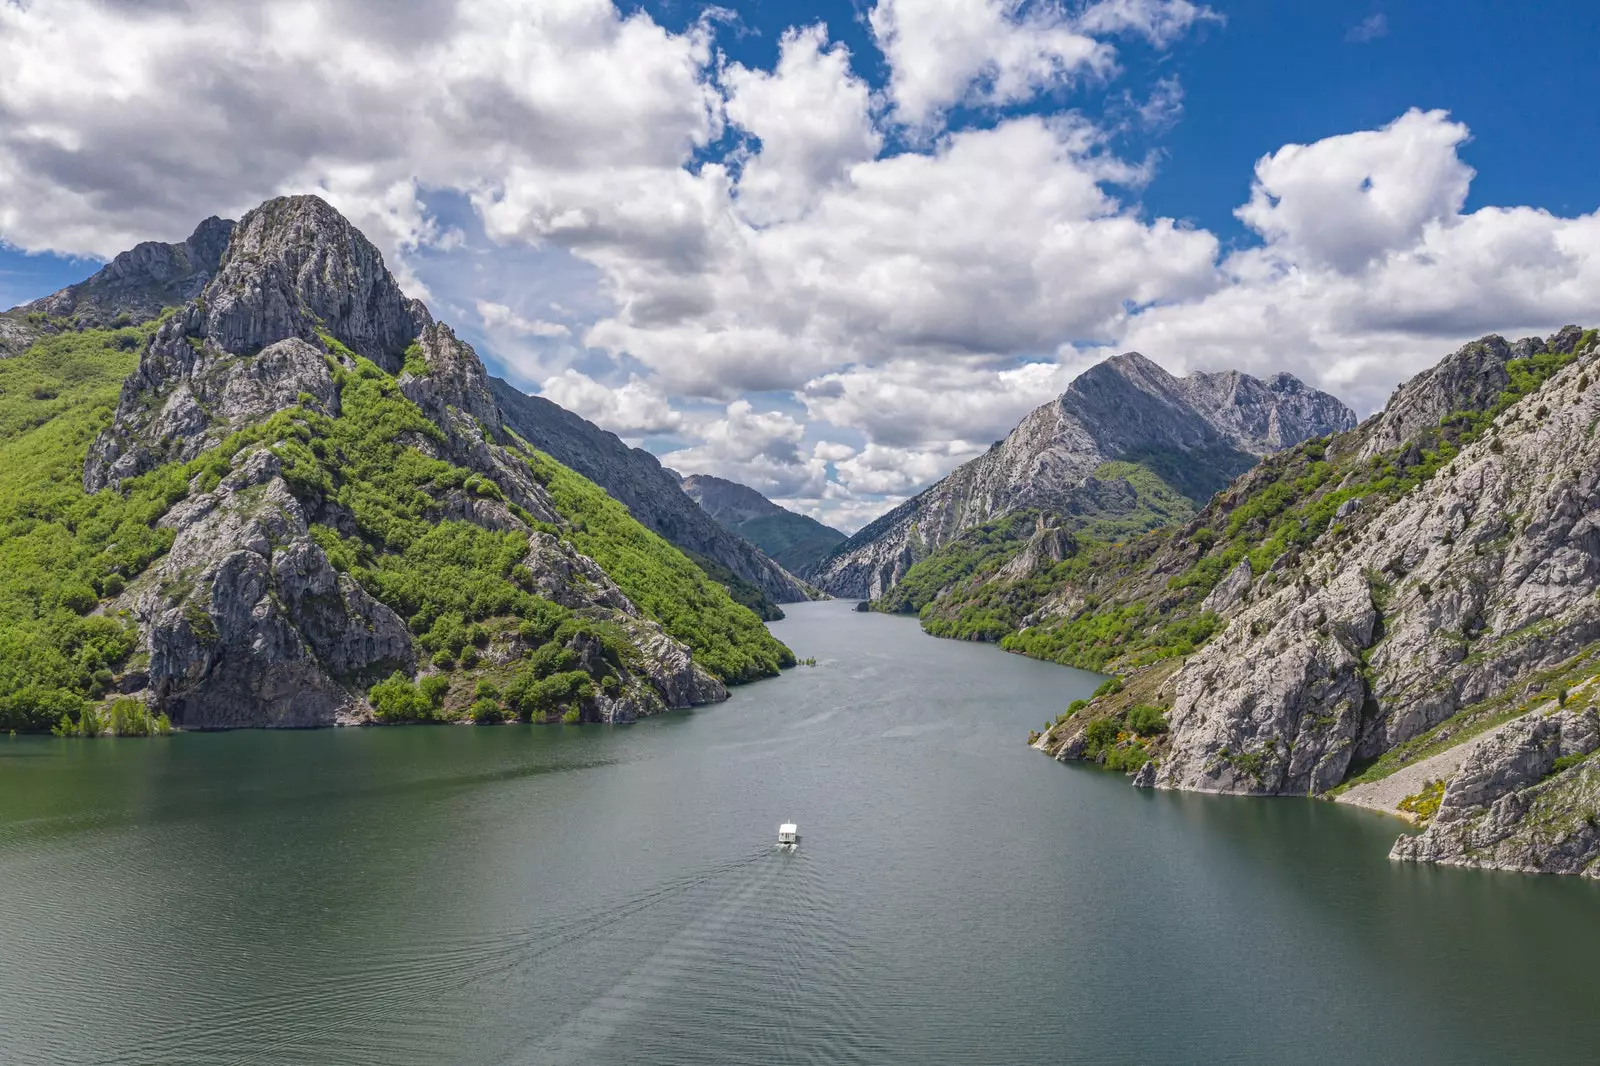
788, 834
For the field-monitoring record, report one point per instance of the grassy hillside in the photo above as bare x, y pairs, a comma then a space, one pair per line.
64, 552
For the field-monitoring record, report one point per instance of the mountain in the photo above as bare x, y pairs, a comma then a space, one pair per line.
302, 507
133, 288
796, 541
1404, 616
653, 494
1119, 447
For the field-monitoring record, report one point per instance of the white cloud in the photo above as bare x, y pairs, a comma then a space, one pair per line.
761, 449
1345, 200
631, 411
499, 316
914, 303
812, 117
1369, 29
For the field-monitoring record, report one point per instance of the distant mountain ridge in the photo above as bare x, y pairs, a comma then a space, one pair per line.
133, 288
652, 493
1194, 433
796, 541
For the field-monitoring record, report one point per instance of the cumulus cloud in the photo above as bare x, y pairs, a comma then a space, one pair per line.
1369, 29
633, 410
761, 449
903, 305
499, 316
1345, 200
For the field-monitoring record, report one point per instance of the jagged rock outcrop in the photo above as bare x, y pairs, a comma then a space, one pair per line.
638, 479
248, 624
1196, 432
796, 542
1482, 574
133, 288
1512, 807
246, 620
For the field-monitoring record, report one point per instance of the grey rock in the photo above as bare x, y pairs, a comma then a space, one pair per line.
1506, 810
1203, 430
1489, 571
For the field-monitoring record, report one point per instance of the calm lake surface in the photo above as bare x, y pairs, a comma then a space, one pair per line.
612, 895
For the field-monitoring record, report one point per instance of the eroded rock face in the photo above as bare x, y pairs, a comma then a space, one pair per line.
248, 624
1483, 574
1213, 426
136, 285
1506, 809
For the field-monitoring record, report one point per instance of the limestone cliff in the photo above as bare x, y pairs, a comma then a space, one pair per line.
342, 504
1367, 598
1196, 433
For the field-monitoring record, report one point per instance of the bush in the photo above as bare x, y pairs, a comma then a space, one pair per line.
1109, 687
395, 699
572, 717
434, 689
487, 712
1099, 735
486, 690
1147, 720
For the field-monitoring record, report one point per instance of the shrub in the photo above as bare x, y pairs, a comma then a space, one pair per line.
487, 712
434, 689
572, 717
1099, 735
1147, 720
486, 690
444, 660
1109, 687
395, 699
469, 657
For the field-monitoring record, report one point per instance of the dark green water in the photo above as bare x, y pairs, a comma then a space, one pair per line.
592, 895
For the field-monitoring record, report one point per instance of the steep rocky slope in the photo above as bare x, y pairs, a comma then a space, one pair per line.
305, 498
1194, 434
653, 494
1368, 601
795, 541
131, 289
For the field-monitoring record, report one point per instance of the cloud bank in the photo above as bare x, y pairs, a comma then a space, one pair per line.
830, 289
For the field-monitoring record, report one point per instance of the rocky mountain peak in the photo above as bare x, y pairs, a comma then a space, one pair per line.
136, 285
294, 265
1469, 379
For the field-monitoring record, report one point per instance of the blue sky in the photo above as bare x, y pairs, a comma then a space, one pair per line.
836, 276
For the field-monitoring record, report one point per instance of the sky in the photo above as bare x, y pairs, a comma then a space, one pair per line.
834, 249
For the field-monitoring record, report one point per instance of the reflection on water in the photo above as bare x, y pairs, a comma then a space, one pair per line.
589, 894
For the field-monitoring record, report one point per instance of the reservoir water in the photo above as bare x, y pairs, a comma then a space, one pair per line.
613, 895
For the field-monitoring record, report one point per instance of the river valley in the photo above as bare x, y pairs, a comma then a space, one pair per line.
589, 894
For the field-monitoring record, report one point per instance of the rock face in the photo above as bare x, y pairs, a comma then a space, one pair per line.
246, 621
1482, 574
637, 478
797, 542
1196, 432
1509, 807
132, 288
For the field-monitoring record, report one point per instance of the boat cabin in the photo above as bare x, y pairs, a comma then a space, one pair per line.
788, 833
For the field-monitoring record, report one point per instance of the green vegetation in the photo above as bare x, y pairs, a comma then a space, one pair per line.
1425, 804
64, 552
727, 640
795, 542
979, 550
61, 550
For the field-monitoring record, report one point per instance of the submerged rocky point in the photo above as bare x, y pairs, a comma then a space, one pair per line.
306, 508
